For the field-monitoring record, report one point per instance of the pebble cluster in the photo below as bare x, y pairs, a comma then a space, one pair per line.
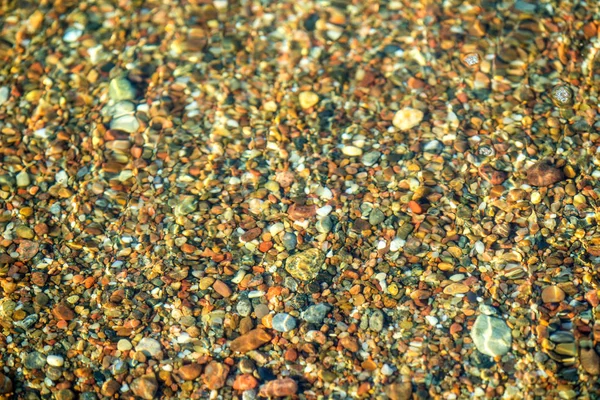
250, 199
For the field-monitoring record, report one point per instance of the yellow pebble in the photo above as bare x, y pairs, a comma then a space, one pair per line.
393, 289
308, 99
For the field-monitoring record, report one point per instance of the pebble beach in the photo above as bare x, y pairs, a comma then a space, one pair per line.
322, 199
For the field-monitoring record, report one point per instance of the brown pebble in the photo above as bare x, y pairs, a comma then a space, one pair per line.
215, 375
552, 294
279, 388
415, 207
250, 341
290, 355
222, 288
399, 391
245, 382
349, 343
590, 361
27, 249
190, 372
492, 175
251, 234
62, 311
297, 212
110, 388
544, 174
145, 387
6, 385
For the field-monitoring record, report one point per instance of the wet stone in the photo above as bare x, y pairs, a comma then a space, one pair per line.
215, 375
491, 335
35, 360
279, 388
407, 118
590, 361
305, 265
552, 294
376, 217
250, 341
244, 307
376, 321
316, 314
283, 322
562, 95
145, 387
289, 241
370, 158
121, 89
149, 346
544, 174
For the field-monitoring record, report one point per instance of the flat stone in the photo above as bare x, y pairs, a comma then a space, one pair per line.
24, 232
283, 322
552, 294
55, 361
456, 288
64, 312
149, 346
279, 388
145, 387
352, 151
590, 361
215, 375
126, 123
190, 372
222, 288
316, 314
35, 360
491, 335
407, 118
306, 265
124, 345
250, 341
544, 174
245, 382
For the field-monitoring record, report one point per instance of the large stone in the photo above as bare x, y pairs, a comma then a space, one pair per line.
305, 266
407, 118
250, 341
491, 335
215, 375
544, 174
279, 388
590, 361
149, 346
145, 387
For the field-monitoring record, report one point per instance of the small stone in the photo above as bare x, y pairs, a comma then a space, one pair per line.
308, 99
349, 343
283, 322
316, 314
491, 335
456, 288
544, 174
250, 341
72, 35
55, 361
306, 265
590, 361
222, 288
376, 217
215, 375
471, 60
145, 387
552, 294
399, 391
62, 311
289, 241
324, 225
279, 388
64, 394
121, 89
126, 123
124, 345
562, 95
245, 382
352, 151
4, 94
24, 232
6, 385
244, 307
149, 346
371, 158
110, 388
190, 372
34, 360
299, 212
270, 106
376, 321
23, 179
407, 118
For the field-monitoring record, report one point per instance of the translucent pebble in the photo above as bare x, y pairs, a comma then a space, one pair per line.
562, 95
471, 59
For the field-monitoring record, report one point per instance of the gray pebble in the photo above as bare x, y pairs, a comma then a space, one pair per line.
324, 225
283, 322
4, 94
35, 360
370, 158
491, 335
376, 217
376, 321
54, 373
289, 241
244, 307
121, 89
149, 345
316, 314
261, 310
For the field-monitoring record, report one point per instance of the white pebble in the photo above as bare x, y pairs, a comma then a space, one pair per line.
386, 370
431, 320
72, 35
479, 247
352, 151
276, 228
324, 211
55, 361
397, 244
4, 94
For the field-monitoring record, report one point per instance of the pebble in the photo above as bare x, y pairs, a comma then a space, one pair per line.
64, 312
72, 35
370, 158
124, 345
121, 89
376, 321
244, 307
544, 173
279, 388
245, 382
289, 241
145, 387
399, 391
24, 232
222, 288
4, 94
308, 99
283, 322
23, 179
552, 294
250, 341
306, 265
590, 361
376, 217
126, 123
150, 346
407, 118
491, 335
351, 151
562, 95
35, 360
6, 385
316, 314
215, 375
190, 372
324, 225
55, 361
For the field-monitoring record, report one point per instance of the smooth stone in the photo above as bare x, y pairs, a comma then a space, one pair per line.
352, 151
376, 217
324, 225
35, 360
316, 314
72, 35
590, 361
55, 361
124, 345
150, 346
279, 388
376, 321
261, 311
190, 372
24, 232
566, 349
244, 307
4, 94
250, 341
283, 322
552, 294
370, 158
145, 387
127, 123
562, 337
407, 118
23, 179
121, 89
289, 241
215, 375
308, 99
491, 335
186, 205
